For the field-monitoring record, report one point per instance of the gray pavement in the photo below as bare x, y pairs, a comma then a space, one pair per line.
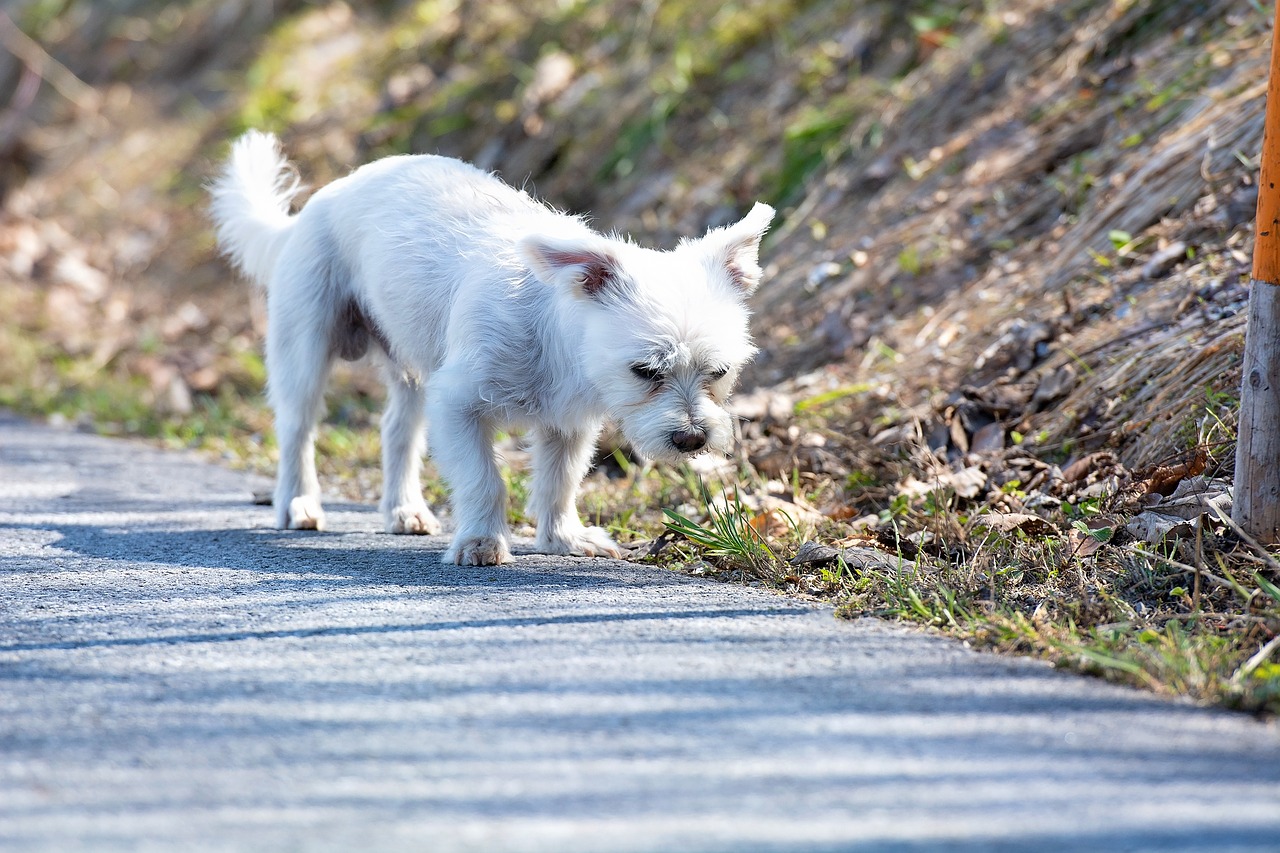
175, 675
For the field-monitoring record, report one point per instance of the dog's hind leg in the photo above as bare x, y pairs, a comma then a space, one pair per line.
403, 443
299, 353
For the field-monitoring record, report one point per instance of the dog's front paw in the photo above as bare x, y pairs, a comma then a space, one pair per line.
412, 519
478, 551
305, 513
579, 542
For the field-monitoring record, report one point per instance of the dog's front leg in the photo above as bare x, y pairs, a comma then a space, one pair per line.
560, 462
462, 446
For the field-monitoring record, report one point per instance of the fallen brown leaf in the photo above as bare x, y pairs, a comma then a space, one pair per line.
1163, 480
1007, 522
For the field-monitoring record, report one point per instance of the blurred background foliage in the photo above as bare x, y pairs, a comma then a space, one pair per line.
660, 118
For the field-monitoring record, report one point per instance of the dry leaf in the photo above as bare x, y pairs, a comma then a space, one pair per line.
770, 524
1007, 522
1165, 479
1057, 384
1086, 465
1155, 528
988, 439
840, 512
1197, 496
966, 483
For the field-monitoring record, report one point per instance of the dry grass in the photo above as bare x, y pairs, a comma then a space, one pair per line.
1193, 616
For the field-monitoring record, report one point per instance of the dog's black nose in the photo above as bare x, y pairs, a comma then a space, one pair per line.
689, 440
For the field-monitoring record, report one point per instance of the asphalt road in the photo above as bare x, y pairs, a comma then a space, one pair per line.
175, 675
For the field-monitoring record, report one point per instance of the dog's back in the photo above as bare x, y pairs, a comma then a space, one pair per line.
458, 223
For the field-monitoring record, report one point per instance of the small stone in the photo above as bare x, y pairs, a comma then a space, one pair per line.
815, 554
1159, 264
821, 273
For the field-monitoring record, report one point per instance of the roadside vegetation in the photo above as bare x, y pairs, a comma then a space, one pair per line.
1002, 318
1194, 615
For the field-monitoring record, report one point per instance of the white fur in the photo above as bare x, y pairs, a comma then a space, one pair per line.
497, 311
251, 204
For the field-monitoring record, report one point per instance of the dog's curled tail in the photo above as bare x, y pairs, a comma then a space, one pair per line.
251, 201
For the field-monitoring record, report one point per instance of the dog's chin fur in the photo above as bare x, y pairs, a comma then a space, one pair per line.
492, 310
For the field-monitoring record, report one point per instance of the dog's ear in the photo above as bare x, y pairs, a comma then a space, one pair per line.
735, 249
583, 265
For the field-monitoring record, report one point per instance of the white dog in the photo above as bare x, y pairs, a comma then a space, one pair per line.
493, 310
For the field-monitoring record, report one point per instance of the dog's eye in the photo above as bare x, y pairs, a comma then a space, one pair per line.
717, 374
646, 373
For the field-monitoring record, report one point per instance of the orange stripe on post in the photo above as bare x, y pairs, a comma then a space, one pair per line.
1266, 250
